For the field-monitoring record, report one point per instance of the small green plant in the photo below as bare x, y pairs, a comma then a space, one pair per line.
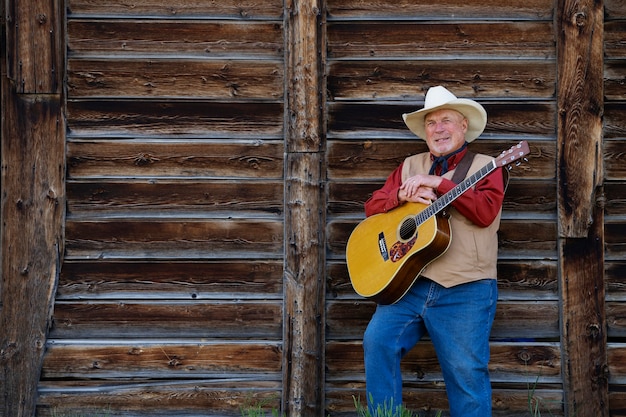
384, 410
257, 409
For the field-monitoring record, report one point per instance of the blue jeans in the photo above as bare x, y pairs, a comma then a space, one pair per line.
458, 321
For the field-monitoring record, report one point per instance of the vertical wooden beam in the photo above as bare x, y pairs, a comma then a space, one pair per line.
304, 280
33, 196
580, 212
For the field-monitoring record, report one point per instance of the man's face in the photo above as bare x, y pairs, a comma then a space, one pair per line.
445, 131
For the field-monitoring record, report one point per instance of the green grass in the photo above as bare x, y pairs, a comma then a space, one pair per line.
384, 410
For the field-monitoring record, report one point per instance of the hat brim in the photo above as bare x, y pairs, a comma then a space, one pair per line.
473, 111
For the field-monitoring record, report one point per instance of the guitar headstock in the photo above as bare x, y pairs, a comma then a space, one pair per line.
516, 153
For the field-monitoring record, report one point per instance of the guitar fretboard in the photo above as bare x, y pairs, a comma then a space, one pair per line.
445, 200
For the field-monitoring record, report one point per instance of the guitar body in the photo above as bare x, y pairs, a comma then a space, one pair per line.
386, 252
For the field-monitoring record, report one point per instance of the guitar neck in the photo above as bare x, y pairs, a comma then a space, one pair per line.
444, 201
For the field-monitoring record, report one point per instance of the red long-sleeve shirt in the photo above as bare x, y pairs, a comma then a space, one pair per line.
480, 204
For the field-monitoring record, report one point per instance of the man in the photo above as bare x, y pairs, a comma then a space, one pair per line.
454, 300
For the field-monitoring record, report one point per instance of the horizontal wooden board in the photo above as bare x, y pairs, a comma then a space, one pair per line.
363, 120
173, 238
241, 319
510, 362
614, 128
199, 280
616, 319
617, 402
517, 280
243, 9
528, 320
194, 159
518, 238
164, 398
614, 35
376, 159
615, 197
614, 273
110, 117
614, 242
614, 85
158, 360
404, 79
614, 9
453, 40
214, 79
174, 38
523, 198
428, 399
451, 9
616, 355
185, 197
614, 159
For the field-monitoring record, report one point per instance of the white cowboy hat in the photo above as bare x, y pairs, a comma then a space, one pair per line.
438, 98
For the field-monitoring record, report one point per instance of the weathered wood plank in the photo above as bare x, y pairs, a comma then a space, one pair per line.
201, 159
580, 216
204, 198
523, 197
428, 399
452, 9
617, 403
616, 319
215, 79
530, 319
614, 9
159, 398
111, 117
376, 159
33, 202
580, 114
614, 121
614, 35
614, 85
517, 280
615, 244
520, 362
403, 79
135, 319
303, 334
158, 360
369, 120
199, 280
512, 40
243, 9
517, 238
614, 273
615, 199
615, 159
183, 238
34, 46
182, 38
616, 353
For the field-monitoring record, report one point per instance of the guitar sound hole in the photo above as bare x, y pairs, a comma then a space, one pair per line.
407, 229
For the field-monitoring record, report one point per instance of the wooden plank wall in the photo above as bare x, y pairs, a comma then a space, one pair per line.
615, 198
170, 297
382, 57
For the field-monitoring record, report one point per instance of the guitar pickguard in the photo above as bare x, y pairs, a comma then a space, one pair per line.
400, 249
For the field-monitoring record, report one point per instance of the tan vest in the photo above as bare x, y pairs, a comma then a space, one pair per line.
473, 251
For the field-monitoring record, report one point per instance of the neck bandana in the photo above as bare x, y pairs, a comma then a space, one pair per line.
443, 161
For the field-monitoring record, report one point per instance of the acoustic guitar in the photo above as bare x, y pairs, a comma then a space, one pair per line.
387, 252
